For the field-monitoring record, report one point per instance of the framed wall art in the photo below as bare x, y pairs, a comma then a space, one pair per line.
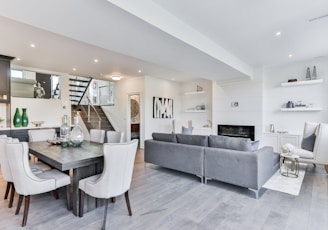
162, 107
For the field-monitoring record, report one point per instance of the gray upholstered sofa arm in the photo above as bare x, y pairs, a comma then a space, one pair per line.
246, 169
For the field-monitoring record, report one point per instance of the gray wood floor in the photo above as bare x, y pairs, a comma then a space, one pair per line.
166, 199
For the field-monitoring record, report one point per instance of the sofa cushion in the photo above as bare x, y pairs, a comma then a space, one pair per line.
199, 140
255, 145
235, 143
167, 137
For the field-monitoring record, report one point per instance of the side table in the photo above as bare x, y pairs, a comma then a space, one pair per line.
289, 164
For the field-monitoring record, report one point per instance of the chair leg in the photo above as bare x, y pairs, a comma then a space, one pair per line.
126, 194
105, 215
12, 195
113, 199
26, 207
7, 189
56, 194
81, 203
19, 204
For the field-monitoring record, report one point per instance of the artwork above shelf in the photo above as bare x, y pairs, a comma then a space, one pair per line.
298, 83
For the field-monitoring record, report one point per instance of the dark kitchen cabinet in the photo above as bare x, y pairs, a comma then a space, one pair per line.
5, 78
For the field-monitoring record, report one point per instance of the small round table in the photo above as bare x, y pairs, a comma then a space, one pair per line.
289, 164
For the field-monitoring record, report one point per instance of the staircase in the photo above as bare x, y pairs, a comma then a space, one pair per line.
93, 122
77, 88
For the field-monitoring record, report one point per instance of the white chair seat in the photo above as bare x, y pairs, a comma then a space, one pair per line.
61, 178
39, 167
89, 180
303, 153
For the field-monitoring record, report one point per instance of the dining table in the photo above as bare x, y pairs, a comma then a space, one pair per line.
79, 162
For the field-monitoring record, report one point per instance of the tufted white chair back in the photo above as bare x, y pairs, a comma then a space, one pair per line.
35, 135
97, 135
115, 137
26, 183
117, 174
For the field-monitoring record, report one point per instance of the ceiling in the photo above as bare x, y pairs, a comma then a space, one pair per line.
183, 40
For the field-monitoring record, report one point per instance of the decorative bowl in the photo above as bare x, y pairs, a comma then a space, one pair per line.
37, 123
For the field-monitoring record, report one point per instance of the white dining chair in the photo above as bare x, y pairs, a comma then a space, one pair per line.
5, 170
26, 183
114, 136
97, 135
35, 135
116, 177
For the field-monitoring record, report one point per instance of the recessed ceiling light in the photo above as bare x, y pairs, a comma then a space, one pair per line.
172, 79
32, 45
18, 59
116, 77
278, 34
74, 69
139, 71
96, 60
290, 55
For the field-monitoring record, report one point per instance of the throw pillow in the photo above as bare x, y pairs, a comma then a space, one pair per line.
308, 142
187, 130
255, 145
167, 137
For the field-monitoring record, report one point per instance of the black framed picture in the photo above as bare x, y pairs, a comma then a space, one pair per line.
162, 107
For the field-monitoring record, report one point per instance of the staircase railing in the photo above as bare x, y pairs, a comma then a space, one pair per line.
91, 106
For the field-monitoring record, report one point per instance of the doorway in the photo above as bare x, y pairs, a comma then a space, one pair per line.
135, 116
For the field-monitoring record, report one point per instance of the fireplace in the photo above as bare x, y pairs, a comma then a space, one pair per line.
246, 131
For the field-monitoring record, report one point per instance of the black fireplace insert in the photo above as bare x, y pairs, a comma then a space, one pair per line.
246, 131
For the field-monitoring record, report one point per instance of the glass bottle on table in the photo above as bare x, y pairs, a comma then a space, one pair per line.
65, 131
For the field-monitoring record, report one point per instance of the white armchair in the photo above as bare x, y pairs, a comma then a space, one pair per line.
314, 147
115, 178
26, 183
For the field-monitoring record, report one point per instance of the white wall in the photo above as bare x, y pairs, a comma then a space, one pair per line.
276, 96
155, 87
119, 113
248, 94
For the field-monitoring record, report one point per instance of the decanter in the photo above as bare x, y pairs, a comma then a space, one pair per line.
76, 136
64, 132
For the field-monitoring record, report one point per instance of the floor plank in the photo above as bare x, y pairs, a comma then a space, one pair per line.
166, 199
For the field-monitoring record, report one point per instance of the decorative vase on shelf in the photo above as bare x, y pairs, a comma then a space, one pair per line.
308, 73
314, 73
17, 119
24, 118
76, 136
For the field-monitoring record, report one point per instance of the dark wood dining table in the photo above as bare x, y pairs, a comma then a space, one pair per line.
80, 162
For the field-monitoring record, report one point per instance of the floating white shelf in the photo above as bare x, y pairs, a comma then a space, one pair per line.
195, 92
301, 109
298, 83
195, 111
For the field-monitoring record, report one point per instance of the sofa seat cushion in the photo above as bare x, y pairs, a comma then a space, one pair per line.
199, 140
234, 143
167, 137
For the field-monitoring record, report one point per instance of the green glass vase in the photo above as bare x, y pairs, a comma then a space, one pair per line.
17, 119
24, 118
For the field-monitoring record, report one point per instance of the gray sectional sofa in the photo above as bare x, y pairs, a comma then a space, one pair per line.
232, 160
